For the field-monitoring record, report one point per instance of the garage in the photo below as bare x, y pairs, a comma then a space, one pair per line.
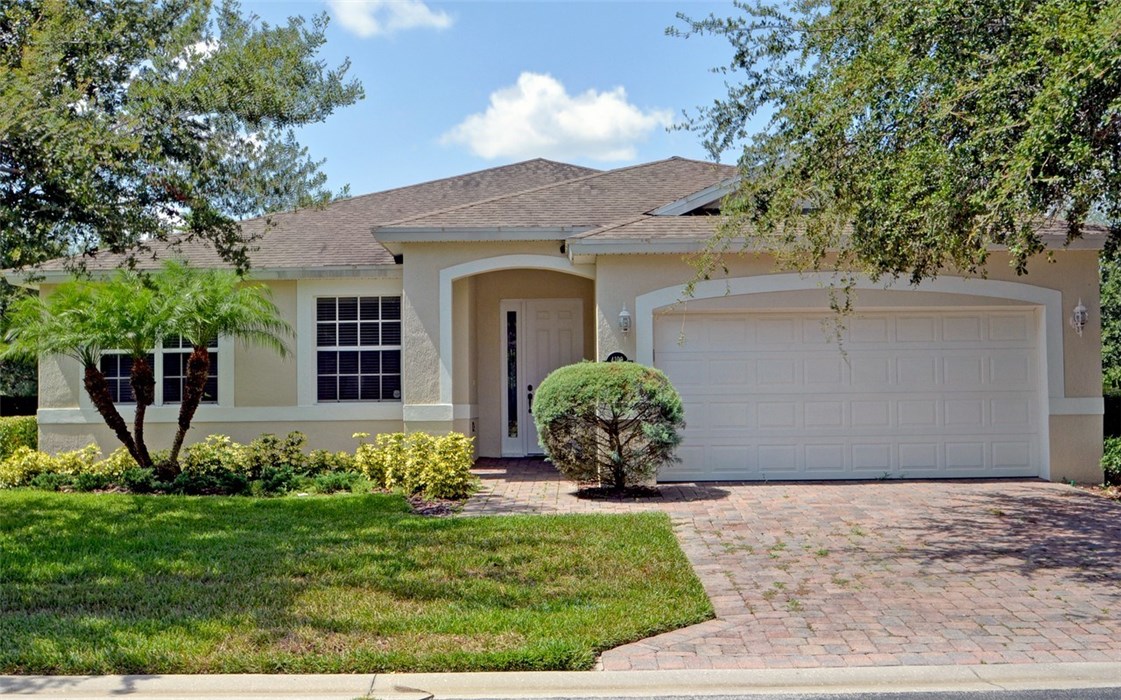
908, 394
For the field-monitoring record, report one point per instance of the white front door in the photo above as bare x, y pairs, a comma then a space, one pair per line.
540, 335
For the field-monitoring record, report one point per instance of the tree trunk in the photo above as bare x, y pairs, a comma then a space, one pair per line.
98, 390
194, 385
143, 382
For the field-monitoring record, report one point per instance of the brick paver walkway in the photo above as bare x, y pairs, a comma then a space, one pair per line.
872, 573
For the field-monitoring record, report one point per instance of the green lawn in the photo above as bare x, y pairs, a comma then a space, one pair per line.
136, 584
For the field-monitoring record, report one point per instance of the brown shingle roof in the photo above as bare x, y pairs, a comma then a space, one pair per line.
340, 233
656, 227
700, 228
594, 200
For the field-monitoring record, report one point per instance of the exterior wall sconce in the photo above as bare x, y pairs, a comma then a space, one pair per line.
625, 320
1078, 318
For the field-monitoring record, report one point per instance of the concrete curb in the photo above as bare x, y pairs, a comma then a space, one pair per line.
617, 684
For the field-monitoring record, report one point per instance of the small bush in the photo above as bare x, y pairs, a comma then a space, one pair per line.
23, 465
419, 453
16, 432
1111, 461
77, 462
270, 451
215, 455
49, 481
278, 479
139, 480
615, 423
325, 461
437, 467
216, 483
89, 481
334, 482
116, 464
447, 471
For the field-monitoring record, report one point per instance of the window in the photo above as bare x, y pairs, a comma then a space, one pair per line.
358, 348
117, 369
169, 364
175, 353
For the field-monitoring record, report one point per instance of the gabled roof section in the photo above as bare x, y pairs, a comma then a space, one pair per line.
338, 235
703, 199
586, 202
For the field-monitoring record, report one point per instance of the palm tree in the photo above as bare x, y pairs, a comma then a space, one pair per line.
83, 320
133, 319
203, 305
132, 313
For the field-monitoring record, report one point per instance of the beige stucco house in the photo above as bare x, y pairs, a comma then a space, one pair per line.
442, 305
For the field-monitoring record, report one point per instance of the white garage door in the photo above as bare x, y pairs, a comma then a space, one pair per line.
922, 394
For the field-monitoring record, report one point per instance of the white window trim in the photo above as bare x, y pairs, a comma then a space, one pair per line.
359, 347
307, 291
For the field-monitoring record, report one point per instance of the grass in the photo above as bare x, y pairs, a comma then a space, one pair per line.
94, 584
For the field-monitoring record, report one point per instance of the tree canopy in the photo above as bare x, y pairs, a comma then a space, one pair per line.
124, 122
912, 137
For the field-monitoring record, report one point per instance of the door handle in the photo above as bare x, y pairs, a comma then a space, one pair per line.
529, 397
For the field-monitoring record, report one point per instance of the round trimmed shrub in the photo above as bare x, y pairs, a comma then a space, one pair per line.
615, 423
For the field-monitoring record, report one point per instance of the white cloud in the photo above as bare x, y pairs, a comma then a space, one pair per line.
538, 118
368, 18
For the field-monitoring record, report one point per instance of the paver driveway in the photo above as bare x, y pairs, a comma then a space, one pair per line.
872, 573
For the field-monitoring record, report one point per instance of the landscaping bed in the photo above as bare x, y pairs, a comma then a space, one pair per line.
108, 583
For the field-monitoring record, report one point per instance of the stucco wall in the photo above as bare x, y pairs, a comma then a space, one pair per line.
261, 376
327, 435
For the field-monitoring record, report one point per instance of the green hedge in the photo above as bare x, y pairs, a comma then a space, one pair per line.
437, 467
16, 432
1111, 461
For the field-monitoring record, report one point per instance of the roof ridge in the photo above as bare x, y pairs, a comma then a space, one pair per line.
614, 225
600, 173
449, 178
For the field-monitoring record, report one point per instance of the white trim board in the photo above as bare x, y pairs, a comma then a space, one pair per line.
209, 413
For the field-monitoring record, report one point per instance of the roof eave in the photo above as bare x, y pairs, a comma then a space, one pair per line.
31, 279
392, 238
587, 248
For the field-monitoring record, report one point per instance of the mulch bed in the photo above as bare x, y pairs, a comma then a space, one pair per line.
437, 508
631, 493
1111, 492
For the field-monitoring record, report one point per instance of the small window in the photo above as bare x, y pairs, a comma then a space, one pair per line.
358, 348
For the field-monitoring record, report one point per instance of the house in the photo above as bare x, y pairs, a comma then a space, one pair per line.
442, 305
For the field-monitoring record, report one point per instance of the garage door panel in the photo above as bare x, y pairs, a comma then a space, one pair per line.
1009, 328
956, 329
915, 394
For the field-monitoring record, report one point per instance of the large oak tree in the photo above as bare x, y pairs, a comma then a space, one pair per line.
913, 137
125, 121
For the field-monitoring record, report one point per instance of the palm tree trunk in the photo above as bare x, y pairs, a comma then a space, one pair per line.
98, 389
194, 385
143, 382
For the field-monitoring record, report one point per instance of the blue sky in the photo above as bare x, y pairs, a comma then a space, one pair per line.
453, 87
